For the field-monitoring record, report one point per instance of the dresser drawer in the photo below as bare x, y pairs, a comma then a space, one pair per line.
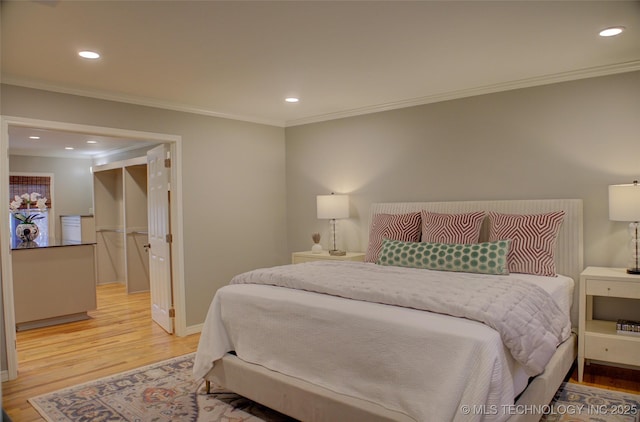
628, 289
619, 349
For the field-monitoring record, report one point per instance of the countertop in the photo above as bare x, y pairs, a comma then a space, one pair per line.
46, 243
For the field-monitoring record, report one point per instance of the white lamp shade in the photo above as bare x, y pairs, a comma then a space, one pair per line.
333, 206
624, 202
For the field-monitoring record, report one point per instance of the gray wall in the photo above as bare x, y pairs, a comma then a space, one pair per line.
233, 183
73, 183
566, 140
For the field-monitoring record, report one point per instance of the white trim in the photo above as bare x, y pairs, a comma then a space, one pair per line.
176, 218
119, 164
177, 249
130, 99
5, 257
194, 329
470, 92
92, 130
590, 72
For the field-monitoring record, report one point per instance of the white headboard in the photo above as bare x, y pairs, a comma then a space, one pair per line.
569, 249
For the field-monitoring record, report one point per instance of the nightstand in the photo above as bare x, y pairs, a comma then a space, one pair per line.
299, 257
597, 339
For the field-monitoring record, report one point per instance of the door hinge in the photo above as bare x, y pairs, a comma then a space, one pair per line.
169, 238
167, 162
172, 313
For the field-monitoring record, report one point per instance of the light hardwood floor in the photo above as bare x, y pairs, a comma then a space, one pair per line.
121, 336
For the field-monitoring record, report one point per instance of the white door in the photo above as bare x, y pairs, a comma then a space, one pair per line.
158, 186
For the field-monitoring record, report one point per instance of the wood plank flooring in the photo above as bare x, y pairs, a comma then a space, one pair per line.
610, 378
121, 336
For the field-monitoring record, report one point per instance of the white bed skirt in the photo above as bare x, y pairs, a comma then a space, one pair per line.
311, 403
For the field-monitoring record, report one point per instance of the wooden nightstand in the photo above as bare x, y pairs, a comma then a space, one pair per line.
298, 257
598, 340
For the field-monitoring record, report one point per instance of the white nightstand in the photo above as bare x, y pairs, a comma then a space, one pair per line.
298, 257
598, 340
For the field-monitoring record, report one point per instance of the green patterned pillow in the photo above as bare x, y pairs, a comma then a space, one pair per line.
484, 258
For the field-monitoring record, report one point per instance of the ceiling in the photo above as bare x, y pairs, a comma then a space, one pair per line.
240, 59
55, 143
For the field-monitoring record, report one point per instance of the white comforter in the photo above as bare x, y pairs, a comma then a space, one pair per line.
412, 361
530, 323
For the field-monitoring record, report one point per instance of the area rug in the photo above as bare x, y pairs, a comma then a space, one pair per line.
161, 392
580, 403
167, 392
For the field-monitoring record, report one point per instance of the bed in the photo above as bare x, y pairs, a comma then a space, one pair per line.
390, 348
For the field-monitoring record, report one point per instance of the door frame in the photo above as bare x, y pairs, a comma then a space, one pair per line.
177, 257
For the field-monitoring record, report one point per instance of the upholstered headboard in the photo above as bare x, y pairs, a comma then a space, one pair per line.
569, 249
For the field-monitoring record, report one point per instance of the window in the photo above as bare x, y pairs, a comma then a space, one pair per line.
29, 183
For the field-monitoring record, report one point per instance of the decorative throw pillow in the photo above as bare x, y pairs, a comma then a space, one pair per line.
483, 258
533, 240
391, 226
451, 228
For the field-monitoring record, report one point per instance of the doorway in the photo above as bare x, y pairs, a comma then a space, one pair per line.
175, 146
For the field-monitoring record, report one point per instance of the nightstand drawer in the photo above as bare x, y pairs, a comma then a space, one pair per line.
597, 338
630, 289
300, 257
619, 349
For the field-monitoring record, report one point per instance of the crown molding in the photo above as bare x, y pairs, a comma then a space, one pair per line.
591, 72
129, 99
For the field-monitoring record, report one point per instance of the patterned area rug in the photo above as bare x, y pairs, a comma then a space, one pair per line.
161, 392
579, 403
167, 392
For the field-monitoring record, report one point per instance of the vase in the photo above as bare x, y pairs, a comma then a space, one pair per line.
27, 232
316, 248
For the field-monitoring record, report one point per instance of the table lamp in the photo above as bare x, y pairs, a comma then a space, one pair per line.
624, 205
333, 207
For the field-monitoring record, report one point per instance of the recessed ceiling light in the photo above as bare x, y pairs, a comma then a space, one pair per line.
613, 31
68, 148
34, 137
92, 142
89, 54
292, 99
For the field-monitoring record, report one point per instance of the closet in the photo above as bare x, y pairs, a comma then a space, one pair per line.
120, 208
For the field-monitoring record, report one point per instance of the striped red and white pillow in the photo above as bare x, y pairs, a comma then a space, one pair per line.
451, 228
405, 227
533, 240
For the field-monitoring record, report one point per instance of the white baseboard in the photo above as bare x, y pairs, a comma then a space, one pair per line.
194, 329
5, 375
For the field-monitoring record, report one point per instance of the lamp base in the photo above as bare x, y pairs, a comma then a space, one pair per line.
633, 270
337, 252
